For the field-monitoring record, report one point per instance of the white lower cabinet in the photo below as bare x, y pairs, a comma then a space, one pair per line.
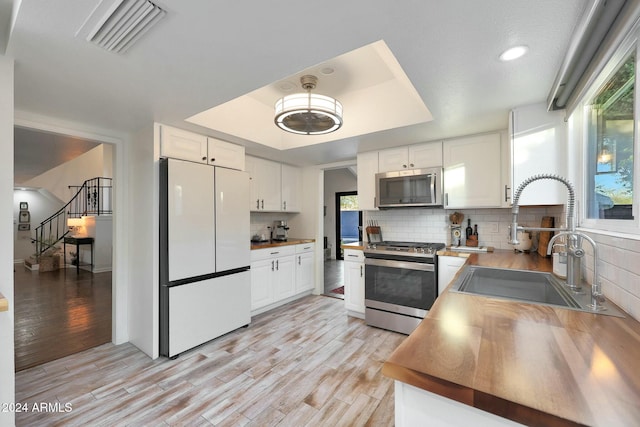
417, 407
354, 282
448, 266
280, 274
305, 272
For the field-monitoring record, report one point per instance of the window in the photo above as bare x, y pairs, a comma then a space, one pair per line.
610, 145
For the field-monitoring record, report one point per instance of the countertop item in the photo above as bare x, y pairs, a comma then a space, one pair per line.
4, 303
273, 244
534, 364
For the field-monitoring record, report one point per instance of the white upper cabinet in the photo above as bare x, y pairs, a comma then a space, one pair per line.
181, 144
367, 167
538, 145
185, 145
291, 188
410, 157
472, 172
274, 187
225, 154
264, 184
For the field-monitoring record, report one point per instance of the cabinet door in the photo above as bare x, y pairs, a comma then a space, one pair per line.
285, 277
180, 144
291, 188
425, 155
393, 159
538, 145
448, 266
354, 286
264, 184
472, 172
225, 154
262, 273
367, 166
304, 272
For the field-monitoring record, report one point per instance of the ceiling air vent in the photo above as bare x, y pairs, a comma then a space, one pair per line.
124, 23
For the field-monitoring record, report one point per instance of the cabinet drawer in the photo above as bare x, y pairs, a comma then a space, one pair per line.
353, 255
274, 252
305, 247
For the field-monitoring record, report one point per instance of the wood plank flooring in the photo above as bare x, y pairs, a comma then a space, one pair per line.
58, 313
303, 364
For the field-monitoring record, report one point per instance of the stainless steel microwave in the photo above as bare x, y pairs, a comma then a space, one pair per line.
409, 188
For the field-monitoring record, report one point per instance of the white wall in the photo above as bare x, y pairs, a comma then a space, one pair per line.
335, 180
7, 367
89, 165
618, 268
310, 219
143, 274
41, 206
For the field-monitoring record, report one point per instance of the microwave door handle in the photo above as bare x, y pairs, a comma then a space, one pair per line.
433, 188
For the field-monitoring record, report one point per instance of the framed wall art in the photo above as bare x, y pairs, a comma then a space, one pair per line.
24, 206
24, 217
24, 227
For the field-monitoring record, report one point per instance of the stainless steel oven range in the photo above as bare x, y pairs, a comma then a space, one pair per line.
401, 283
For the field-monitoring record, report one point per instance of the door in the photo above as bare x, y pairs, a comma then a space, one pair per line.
191, 224
348, 220
232, 219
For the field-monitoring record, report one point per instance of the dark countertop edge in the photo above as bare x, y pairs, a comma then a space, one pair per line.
289, 242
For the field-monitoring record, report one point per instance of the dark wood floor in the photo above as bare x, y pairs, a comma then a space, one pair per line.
303, 364
333, 277
58, 313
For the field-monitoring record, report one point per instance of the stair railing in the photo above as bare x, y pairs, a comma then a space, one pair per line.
93, 197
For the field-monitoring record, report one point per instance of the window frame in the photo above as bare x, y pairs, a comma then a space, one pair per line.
581, 137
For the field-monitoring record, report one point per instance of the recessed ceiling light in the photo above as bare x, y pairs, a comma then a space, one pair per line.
327, 70
513, 53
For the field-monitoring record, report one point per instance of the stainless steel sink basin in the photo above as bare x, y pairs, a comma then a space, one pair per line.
521, 285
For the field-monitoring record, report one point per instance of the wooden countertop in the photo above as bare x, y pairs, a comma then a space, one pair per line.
354, 245
534, 364
274, 244
4, 303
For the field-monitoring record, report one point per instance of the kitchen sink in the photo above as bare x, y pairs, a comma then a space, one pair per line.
533, 287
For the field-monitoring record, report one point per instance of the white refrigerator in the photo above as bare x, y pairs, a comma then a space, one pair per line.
204, 254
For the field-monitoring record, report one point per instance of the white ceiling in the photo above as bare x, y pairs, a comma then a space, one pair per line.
205, 53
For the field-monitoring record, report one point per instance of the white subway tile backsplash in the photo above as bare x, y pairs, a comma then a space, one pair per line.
433, 224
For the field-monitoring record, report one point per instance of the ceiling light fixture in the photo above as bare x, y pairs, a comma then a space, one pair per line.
308, 113
513, 53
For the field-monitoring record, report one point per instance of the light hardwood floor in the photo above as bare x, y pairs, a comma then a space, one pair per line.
305, 363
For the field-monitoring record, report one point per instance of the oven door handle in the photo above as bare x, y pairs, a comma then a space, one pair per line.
407, 265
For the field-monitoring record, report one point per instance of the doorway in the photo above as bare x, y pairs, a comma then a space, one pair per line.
58, 310
348, 220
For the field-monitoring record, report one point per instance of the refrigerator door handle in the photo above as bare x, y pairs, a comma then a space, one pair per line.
277, 266
272, 265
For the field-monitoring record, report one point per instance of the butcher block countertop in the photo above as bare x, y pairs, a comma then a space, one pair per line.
4, 303
273, 244
534, 364
359, 246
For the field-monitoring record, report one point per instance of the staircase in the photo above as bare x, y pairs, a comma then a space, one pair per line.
93, 197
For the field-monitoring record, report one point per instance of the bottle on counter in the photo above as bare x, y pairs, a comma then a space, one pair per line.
475, 230
468, 230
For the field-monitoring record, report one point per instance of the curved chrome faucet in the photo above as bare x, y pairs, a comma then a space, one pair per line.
574, 239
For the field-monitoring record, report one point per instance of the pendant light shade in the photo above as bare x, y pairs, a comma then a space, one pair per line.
308, 113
